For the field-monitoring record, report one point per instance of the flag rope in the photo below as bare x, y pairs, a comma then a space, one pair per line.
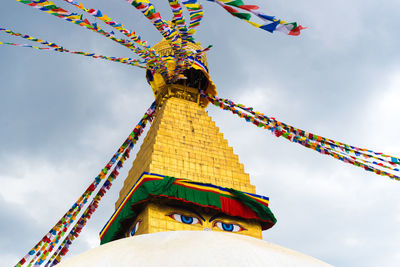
61, 228
364, 158
54, 47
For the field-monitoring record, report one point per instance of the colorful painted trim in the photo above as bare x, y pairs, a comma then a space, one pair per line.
228, 201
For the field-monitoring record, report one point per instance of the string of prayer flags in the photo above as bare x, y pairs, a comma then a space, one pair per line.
45, 246
150, 13
364, 158
271, 24
339, 146
147, 51
54, 47
50, 8
116, 25
176, 35
176, 32
127, 61
178, 18
180, 51
195, 13
74, 233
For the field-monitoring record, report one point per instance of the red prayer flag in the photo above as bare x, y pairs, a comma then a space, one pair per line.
296, 31
249, 7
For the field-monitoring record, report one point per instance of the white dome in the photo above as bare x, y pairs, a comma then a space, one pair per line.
191, 248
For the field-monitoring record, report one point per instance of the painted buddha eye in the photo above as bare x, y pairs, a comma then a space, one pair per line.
229, 227
135, 228
184, 218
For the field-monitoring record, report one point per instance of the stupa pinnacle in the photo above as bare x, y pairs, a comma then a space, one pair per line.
184, 142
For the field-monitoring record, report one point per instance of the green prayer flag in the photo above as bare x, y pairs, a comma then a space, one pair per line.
245, 16
236, 3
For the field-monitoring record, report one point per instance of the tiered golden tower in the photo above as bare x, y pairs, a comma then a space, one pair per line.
184, 142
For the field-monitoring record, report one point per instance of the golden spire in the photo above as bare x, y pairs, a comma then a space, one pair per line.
184, 142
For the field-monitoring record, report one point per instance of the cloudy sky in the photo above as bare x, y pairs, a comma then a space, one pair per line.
63, 116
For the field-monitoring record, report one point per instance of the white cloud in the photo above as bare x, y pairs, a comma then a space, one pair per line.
382, 111
37, 180
352, 242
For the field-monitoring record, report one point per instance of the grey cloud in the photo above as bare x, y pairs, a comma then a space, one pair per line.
17, 230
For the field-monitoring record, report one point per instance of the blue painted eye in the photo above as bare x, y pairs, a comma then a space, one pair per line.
135, 228
229, 227
184, 219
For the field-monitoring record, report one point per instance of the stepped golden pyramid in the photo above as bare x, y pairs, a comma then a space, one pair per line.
184, 142
187, 193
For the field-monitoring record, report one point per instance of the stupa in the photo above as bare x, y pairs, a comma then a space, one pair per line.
187, 199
